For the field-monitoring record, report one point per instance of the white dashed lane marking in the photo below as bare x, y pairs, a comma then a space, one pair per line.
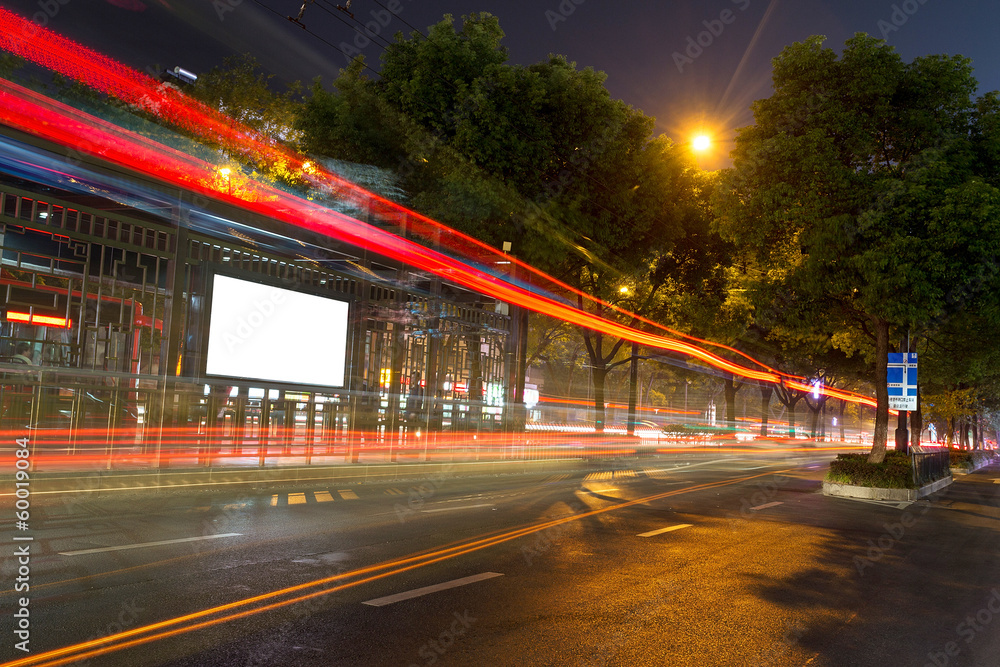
665, 530
417, 592
81, 552
766, 505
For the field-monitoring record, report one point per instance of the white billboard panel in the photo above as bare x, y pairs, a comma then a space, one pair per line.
269, 333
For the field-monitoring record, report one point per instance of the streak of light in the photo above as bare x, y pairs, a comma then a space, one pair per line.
134, 637
51, 50
59, 123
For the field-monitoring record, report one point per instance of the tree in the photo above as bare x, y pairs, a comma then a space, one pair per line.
542, 155
352, 123
864, 192
243, 91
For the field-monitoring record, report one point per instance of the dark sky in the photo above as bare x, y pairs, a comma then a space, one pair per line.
640, 44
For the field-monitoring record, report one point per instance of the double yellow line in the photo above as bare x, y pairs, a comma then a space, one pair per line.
294, 594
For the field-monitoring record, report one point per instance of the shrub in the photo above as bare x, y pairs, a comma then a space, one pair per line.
970, 460
960, 459
895, 472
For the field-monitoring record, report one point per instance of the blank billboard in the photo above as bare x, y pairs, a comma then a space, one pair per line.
268, 333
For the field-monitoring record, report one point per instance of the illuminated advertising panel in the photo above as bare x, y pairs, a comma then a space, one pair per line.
269, 333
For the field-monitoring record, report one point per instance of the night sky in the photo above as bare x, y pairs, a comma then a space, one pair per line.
648, 49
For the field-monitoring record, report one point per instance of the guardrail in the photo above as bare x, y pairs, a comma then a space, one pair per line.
930, 466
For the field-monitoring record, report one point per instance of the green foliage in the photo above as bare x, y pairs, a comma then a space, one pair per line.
428, 78
894, 472
864, 196
352, 123
243, 91
969, 461
9, 64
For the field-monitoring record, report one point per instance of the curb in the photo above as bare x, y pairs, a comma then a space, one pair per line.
875, 493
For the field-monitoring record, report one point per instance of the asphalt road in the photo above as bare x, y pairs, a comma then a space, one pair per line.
700, 561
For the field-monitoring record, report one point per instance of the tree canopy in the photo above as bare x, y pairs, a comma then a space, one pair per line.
866, 192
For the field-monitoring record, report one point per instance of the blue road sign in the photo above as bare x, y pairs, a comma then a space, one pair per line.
902, 381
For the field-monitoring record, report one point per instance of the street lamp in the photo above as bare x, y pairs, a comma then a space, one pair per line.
225, 172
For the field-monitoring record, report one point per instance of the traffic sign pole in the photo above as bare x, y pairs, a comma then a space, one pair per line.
902, 385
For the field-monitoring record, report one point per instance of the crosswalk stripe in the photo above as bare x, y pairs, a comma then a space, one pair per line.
296, 498
323, 496
347, 494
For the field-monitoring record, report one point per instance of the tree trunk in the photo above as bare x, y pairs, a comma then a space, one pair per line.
815, 428
791, 415
789, 398
731, 388
822, 423
916, 423
840, 421
765, 407
881, 390
633, 383
598, 375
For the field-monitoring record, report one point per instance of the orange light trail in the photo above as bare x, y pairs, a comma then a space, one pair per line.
165, 629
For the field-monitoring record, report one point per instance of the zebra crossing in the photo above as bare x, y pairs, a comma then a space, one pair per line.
609, 475
324, 496
290, 498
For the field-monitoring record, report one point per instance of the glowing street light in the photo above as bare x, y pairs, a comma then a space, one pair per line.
225, 172
701, 143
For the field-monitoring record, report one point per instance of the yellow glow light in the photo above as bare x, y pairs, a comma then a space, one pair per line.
701, 143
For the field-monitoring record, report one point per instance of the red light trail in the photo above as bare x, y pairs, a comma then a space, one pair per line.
42, 117
51, 50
